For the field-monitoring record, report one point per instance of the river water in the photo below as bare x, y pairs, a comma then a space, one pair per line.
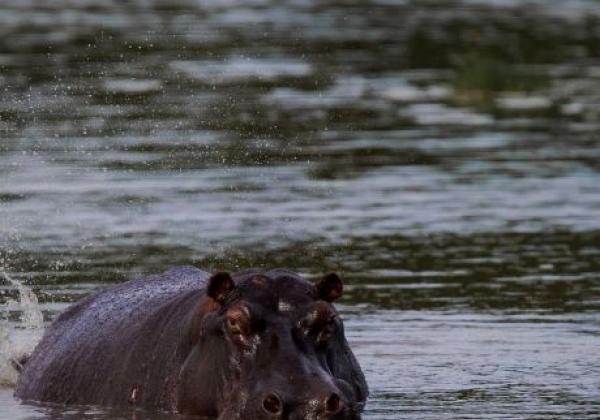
442, 156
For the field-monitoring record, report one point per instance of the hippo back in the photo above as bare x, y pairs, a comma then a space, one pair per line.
117, 346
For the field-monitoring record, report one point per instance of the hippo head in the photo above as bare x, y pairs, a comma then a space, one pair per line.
270, 346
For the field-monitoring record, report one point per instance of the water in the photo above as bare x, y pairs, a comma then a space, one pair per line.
19, 337
443, 157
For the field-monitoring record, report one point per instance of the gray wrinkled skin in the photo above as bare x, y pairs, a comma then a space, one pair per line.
104, 345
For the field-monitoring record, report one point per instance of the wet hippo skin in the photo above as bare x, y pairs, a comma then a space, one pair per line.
249, 346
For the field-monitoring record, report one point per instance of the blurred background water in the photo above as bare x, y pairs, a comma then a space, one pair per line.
443, 156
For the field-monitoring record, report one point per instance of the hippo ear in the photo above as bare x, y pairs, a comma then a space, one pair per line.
330, 287
220, 286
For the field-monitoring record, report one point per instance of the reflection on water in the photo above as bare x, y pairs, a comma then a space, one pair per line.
443, 156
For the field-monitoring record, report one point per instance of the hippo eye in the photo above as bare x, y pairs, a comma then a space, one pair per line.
320, 323
327, 329
234, 326
238, 320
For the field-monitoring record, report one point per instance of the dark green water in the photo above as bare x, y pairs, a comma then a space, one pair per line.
442, 156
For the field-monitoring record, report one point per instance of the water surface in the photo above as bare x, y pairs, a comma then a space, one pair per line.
443, 157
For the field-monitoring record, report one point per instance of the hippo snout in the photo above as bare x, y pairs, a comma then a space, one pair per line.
325, 405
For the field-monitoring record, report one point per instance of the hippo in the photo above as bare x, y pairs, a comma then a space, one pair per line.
248, 345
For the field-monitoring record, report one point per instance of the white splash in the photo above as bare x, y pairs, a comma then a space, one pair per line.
18, 339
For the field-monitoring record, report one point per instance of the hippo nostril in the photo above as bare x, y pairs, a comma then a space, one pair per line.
272, 404
333, 404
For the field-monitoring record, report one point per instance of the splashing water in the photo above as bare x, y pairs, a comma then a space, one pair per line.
18, 339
